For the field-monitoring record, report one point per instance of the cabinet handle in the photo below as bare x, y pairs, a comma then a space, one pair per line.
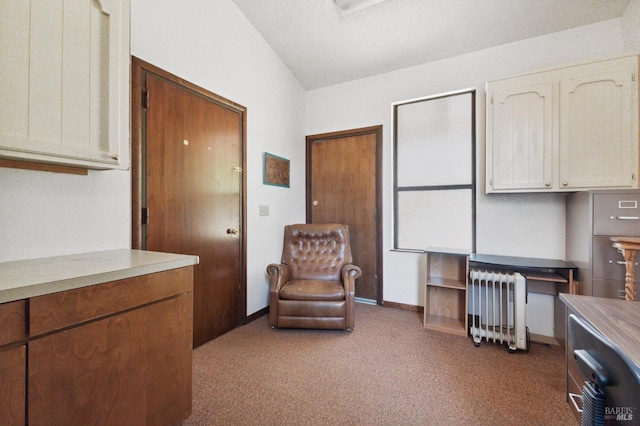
547, 184
625, 217
565, 183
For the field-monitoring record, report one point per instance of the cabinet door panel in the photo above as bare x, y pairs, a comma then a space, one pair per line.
118, 370
68, 91
14, 42
519, 149
13, 323
597, 137
12, 386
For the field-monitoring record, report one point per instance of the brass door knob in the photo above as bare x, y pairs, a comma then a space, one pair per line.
233, 231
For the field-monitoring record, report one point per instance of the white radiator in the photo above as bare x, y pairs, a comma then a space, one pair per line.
497, 308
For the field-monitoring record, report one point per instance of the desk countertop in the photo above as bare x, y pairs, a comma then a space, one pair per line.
35, 277
618, 320
521, 262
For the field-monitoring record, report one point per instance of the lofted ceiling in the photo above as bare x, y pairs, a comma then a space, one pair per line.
322, 45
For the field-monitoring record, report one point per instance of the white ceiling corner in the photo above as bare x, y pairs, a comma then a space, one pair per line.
323, 45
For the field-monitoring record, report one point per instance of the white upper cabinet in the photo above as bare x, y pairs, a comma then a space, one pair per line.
599, 126
569, 129
65, 85
520, 155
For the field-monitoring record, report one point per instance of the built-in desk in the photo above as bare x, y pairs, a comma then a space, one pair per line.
546, 276
617, 320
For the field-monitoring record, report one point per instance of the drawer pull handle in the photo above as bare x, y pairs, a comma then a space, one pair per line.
625, 217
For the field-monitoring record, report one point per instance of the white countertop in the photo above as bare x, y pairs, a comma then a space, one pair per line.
23, 279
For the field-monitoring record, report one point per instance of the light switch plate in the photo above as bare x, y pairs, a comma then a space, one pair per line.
264, 210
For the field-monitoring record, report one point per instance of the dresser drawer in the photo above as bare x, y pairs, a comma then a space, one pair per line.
616, 214
13, 322
608, 289
608, 263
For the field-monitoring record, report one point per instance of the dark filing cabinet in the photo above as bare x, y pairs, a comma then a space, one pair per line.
592, 218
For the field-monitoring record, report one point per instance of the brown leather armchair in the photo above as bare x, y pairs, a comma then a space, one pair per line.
314, 286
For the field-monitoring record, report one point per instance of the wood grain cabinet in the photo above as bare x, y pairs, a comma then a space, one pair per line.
568, 129
108, 354
119, 352
66, 95
13, 363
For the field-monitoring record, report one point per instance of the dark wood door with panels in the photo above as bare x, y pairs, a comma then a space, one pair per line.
344, 186
191, 182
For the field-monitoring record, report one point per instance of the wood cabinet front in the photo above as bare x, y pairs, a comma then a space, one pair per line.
12, 363
568, 129
131, 368
114, 353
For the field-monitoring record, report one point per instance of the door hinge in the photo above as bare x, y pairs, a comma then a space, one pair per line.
145, 216
145, 99
491, 100
633, 77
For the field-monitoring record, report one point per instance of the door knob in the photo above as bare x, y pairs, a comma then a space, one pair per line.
233, 231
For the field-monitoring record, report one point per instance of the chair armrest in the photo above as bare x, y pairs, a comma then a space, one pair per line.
349, 274
278, 276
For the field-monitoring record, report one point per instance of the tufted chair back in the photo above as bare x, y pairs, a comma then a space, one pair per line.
316, 251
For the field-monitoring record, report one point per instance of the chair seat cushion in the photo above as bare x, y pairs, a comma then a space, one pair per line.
312, 290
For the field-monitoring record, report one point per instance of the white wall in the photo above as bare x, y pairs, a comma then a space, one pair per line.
48, 214
530, 225
211, 44
631, 26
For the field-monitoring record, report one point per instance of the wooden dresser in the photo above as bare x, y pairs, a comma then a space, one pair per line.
97, 338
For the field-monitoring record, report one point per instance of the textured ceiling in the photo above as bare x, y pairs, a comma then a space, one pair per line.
321, 46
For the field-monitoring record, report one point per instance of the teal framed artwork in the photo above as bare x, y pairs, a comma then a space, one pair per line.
275, 171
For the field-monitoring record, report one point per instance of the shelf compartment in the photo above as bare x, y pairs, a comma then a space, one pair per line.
445, 298
446, 324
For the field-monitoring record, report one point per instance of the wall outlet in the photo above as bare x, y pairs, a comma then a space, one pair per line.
264, 210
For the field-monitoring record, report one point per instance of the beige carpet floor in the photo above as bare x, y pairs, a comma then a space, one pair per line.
388, 371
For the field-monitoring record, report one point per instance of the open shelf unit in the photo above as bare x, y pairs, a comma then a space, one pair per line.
445, 295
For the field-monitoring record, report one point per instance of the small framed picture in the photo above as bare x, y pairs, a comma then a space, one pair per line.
276, 170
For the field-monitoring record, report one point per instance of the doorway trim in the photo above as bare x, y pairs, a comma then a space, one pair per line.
139, 69
377, 131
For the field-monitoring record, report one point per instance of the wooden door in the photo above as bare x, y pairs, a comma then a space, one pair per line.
343, 186
193, 185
